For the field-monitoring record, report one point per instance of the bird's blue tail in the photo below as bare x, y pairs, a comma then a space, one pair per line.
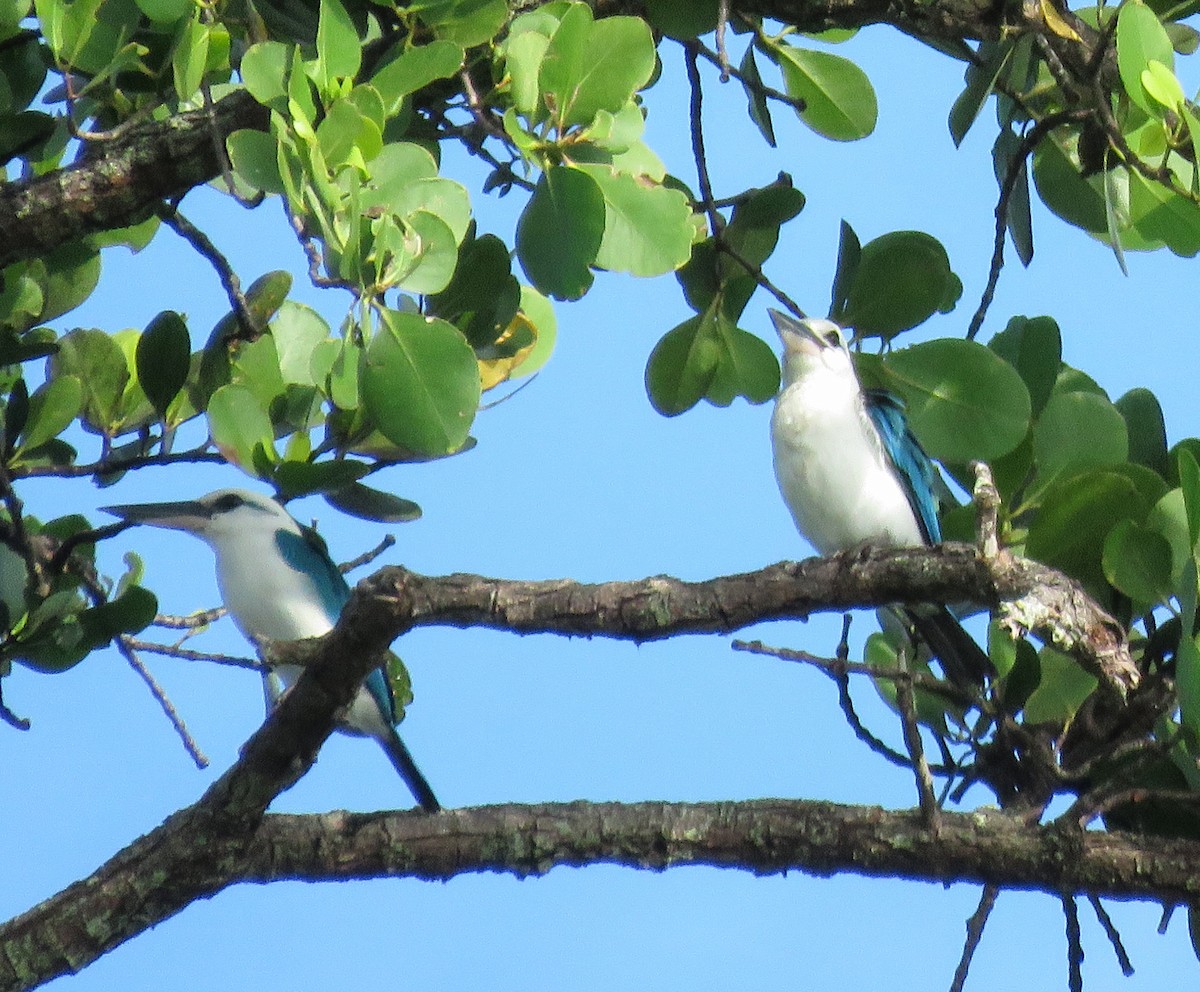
964, 662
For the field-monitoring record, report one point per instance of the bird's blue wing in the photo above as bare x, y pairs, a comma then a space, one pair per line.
912, 465
306, 553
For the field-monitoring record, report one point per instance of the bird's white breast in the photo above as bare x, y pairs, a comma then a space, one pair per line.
832, 470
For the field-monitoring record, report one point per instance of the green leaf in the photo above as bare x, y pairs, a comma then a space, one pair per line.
839, 99
297, 331
560, 232
1162, 216
414, 69
647, 228
190, 57
756, 100
164, 11
1076, 514
372, 504
1141, 40
255, 158
708, 357
980, 79
241, 429
164, 355
1147, 429
1189, 482
1017, 218
591, 66
1078, 429
682, 365
339, 52
849, 255
264, 70
901, 279
98, 362
299, 478
683, 19
1187, 681
420, 383
1062, 689
71, 274
466, 22
51, 410
964, 401
1033, 346
1137, 561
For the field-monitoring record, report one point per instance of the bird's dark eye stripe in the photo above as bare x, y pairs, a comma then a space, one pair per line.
833, 337
229, 501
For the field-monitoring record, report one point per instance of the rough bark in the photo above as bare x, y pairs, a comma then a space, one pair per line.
225, 838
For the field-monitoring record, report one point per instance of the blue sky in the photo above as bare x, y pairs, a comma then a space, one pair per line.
578, 477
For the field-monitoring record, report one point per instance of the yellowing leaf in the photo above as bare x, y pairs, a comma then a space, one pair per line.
493, 371
1055, 22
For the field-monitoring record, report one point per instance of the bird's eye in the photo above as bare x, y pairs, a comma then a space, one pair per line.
230, 501
833, 339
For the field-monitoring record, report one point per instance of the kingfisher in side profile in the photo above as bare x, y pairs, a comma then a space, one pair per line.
278, 583
852, 474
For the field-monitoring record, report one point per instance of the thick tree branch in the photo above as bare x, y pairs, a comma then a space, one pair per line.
121, 184
1027, 595
224, 838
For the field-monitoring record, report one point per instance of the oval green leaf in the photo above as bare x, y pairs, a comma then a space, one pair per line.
839, 99
964, 401
560, 232
420, 383
163, 358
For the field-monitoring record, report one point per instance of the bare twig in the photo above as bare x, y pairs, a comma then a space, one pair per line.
768, 91
201, 618
186, 654
368, 556
912, 741
1028, 143
975, 926
1074, 944
250, 330
722, 52
1110, 930
157, 692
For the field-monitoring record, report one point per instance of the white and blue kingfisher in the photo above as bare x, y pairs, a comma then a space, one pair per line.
278, 583
852, 474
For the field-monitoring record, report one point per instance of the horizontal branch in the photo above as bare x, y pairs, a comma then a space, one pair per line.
120, 185
121, 181
224, 836
1027, 596
763, 836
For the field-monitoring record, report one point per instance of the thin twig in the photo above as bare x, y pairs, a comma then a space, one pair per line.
695, 109
368, 556
186, 654
836, 666
930, 812
1074, 944
768, 91
1114, 936
722, 51
201, 618
250, 330
1015, 168
157, 692
975, 926
195, 455
8, 716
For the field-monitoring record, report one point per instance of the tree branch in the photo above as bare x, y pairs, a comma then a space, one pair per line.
164, 871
